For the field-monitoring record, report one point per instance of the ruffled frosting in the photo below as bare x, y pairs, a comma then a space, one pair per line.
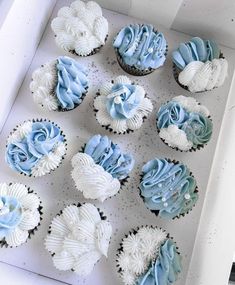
168, 188
184, 123
59, 84
196, 49
80, 27
19, 213
141, 46
78, 238
121, 105
31, 144
165, 269
139, 250
199, 76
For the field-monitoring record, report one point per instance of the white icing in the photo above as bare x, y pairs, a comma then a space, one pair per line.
191, 105
80, 27
138, 251
121, 126
20, 132
49, 162
43, 85
78, 239
30, 214
175, 137
199, 76
91, 179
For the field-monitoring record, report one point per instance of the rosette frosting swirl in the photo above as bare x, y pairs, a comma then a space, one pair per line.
168, 188
186, 119
141, 46
72, 82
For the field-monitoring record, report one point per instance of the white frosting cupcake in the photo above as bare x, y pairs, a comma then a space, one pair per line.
78, 238
20, 212
80, 28
122, 106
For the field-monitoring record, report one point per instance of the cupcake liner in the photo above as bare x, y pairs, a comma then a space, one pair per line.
156, 212
40, 120
176, 72
94, 51
3, 243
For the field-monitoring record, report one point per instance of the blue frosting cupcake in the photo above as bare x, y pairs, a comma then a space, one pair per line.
168, 188
147, 256
101, 168
184, 124
35, 148
60, 85
140, 49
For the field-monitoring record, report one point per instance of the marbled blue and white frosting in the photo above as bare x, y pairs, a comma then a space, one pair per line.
122, 106
141, 46
184, 123
97, 171
201, 67
168, 188
35, 148
148, 257
60, 84
19, 213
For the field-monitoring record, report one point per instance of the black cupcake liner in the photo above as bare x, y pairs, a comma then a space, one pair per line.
3, 242
39, 120
156, 212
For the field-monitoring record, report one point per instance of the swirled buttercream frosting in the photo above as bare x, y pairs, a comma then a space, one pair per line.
148, 257
59, 85
121, 106
35, 148
98, 170
200, 65
168, 188
19, 214
184, 124
141, 46
79, 237
80, 28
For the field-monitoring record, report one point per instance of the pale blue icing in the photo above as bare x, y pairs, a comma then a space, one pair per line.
197, 127
166, 268
22, 156
168, 188
196, 49
10, 215
109, 155
141, 46
72, 82
129, 101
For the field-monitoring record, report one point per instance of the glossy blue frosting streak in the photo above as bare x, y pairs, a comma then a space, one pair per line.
129, 101
166, 268
109, 155
141, 46
196, 49
72, 82
24, 155
10, 215
164, 186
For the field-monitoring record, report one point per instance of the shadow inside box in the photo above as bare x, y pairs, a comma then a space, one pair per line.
232, 274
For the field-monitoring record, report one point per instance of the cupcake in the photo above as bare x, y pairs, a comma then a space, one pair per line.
148, 256
35, 148
59, 85
20, 214
122, 106
168, 188
78, 238
101, 168
140, 49
80, 29
184, 124
199, 66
